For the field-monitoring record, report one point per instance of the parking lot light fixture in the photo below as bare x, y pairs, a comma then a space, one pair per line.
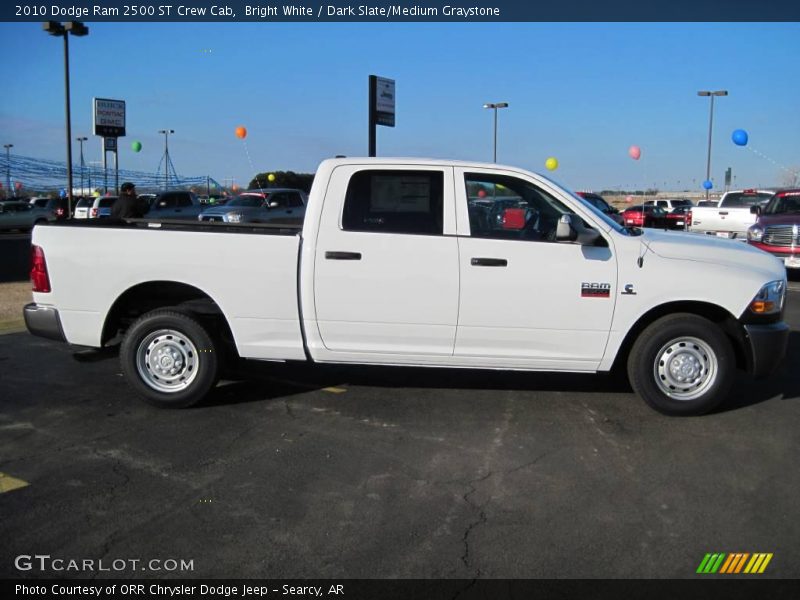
8, 148
494, 106
712, 95
166, 159
64, 30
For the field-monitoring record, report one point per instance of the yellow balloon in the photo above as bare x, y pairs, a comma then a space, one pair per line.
551, 164
271, 177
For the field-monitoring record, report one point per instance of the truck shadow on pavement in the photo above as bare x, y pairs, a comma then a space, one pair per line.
255, 382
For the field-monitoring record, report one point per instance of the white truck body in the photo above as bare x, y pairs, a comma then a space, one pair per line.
330, 294
731, 218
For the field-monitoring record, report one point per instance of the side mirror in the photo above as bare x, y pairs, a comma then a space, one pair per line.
755, 209
571, 229
273, 204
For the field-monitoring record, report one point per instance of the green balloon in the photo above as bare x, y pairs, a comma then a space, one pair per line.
136, 146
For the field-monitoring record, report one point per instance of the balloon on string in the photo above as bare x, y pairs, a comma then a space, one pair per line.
551, 164
271, 177
235, 187
739, 137
241, 132
628, 199
18, 185
635, 152
136, 146
707, 184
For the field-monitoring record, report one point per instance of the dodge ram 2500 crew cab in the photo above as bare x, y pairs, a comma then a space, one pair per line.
416, 262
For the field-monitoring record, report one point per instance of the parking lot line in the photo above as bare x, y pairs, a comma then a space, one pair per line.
9, 484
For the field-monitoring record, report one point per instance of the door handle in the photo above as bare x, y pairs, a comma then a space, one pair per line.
489, 262
335, 255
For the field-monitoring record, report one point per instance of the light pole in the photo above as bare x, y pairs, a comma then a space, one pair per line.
64, 29
494, 106
8, 148
710, 125
166, 133
80, 141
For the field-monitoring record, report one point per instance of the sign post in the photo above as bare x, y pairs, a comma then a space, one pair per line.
381, 107
108, 120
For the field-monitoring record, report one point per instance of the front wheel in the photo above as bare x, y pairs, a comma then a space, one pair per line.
169, 358
682, 364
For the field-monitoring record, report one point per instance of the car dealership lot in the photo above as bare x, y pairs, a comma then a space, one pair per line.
380, 472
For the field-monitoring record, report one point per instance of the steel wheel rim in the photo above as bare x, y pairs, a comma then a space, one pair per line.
685, 368
167, 361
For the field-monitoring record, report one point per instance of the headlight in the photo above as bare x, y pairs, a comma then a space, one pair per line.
233, 217
769, 299
755, 233
200, 217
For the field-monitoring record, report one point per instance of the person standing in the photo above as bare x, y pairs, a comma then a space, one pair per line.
128, 205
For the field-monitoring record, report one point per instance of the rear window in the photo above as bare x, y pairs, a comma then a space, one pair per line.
744, 199
84, 202
106, 202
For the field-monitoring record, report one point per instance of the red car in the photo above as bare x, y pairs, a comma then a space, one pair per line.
644, 216
679, 217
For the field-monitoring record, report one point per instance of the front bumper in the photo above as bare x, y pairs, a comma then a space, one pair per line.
44, 322
767, 344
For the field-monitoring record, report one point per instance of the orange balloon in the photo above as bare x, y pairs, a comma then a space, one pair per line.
235, 187
241, 132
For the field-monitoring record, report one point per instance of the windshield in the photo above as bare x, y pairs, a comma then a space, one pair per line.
246, 201
785, 204
84, 202
744, 199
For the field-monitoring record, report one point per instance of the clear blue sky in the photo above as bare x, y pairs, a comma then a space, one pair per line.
581, 92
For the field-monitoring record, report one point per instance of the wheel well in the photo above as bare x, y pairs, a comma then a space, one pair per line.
729, 324
144, 297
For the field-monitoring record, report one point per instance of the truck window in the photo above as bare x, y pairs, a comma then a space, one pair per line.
504, 207
295, 200
184, 200
409, 202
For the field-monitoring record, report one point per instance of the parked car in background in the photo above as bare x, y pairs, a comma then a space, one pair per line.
731, 217
777, 229
21, 215
600, 204
149, 198
678, 217
39, 201
279, 205
644, 216
101, 207
175, 205
82, 207
669, 204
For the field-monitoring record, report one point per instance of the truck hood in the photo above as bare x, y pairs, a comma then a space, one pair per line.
780, 219
700, 247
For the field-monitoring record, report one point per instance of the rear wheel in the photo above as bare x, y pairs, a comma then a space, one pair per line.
169, 358
682, 364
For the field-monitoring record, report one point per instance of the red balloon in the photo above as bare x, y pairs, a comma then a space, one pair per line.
634, 152
18, 185
241, 132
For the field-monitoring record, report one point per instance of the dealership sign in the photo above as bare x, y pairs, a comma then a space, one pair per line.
108, 117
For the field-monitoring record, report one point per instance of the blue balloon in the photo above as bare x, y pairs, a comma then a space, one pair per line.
707, 184
62, 193
739, 137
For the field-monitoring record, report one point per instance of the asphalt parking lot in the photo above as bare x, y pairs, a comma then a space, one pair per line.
392, 473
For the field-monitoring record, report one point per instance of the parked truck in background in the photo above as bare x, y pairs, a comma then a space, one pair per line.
777, 229
731, 217
399, 262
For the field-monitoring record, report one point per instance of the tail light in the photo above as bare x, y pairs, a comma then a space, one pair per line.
59, 212
94, 213
689, 217
39, 277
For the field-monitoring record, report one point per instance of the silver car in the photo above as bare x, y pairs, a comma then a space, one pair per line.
22, 215
272, 205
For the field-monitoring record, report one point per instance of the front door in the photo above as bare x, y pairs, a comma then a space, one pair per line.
527, 300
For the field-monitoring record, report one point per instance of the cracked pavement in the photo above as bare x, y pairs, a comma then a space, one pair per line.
408, 473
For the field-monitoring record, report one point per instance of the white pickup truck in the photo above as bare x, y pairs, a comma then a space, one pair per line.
416, 262
731, 218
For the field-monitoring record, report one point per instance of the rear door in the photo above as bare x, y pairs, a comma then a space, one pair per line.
386, 273
527, 300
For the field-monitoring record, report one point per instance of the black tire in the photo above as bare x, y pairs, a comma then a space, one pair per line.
189, 363
682, 364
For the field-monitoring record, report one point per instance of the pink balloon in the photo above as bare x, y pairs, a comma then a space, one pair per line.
628, 199
634, 152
